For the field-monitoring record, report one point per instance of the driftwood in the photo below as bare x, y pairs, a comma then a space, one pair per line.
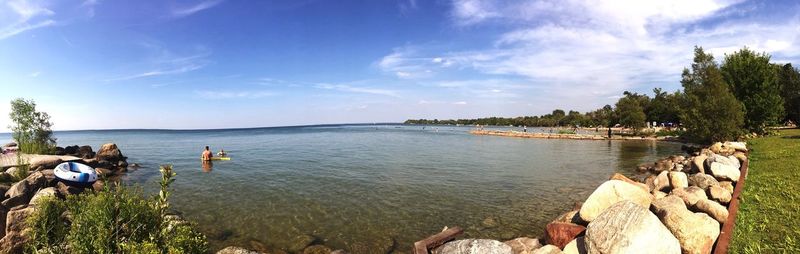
424, 245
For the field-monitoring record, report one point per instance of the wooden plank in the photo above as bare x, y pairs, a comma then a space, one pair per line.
424, 245
724, 240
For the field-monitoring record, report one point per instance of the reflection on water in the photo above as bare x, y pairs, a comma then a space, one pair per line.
207, 166
356, 186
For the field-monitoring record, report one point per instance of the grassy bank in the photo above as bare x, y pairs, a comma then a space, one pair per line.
769, 215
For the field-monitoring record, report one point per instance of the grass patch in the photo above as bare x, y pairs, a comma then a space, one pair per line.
566, 131
769, 213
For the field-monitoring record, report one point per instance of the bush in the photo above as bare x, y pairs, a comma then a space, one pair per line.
666, 132
566, 131
30, 128
116, 220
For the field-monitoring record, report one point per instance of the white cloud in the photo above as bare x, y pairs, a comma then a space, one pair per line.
18, 16
35, 74
403, 74
460, 103
186, 11
233, 95
354, 89
164, 62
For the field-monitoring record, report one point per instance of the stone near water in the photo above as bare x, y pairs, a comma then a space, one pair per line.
576, 246
547, 249
21, 192
719, 194
698, 163
570, 217
678, 180
103, 171
609, 193
659, 194
299, 243
725, 172
473, 246
523, 245
661, 182
696, 232
663, 165
628, 228
317, 249
45, 162
109, 152
689, 195
618, 176
713, 209
236, 250
560, 234
702, 181
650, 182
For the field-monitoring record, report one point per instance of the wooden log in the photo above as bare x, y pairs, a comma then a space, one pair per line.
424, 245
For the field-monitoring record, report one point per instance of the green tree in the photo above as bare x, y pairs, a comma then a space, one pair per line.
664, 107
30, 128
789, 79
710, 111
754, 82
630, 112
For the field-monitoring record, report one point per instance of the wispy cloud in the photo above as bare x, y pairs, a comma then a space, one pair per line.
35, 74
354, 89
19, 16
186, 11
206, 94
152, 73
165, 62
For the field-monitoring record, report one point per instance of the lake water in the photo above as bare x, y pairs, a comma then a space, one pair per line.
369, 186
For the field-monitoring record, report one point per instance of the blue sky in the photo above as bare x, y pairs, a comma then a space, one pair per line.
213, 64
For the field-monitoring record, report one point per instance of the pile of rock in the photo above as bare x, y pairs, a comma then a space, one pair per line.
20, 199
679, 207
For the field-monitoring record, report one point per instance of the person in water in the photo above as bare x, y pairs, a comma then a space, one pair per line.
221, 153
206, 156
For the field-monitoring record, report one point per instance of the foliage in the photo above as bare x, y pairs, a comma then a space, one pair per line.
789, 79
30, 128
768, 221
710, 112
116, 220
630, 111
754, 82
566, 132
664, 107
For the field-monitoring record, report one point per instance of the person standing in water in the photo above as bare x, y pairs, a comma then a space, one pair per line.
206, 156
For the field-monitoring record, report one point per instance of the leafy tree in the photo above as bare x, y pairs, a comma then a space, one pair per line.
710, 112
31, 129
664, 107
754, 82
630, 112
789, 79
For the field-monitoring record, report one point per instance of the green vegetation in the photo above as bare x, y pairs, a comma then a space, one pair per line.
711, 112
566, 132
30, 128
768, 220
754, 82
117, 220
748, 94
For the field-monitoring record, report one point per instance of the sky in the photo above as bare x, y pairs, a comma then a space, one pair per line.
171, 64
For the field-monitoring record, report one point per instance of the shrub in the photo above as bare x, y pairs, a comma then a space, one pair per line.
566, 131
30, 128
115, 220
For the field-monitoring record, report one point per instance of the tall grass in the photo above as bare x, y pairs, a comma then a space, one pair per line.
115, 220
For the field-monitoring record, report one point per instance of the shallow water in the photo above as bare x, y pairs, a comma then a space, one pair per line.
368, 186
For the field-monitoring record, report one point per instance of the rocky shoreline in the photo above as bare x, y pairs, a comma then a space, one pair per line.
20, 198
680, 206
517, 134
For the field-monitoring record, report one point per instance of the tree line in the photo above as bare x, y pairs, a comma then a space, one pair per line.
745, 93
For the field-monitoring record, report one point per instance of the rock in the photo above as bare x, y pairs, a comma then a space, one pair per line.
678, 167
21, 192
560, 234
236, 250
713, 209
3, 189
627, 227
473, 246
716, 147
99, 185
41, 194
489, 222
11, 144
702, 181
85, 152
317, 249
299, 243
91, 162
15, 219
650, 182
698, 163
659, 194
678, 180
6, 177
740, 156
689, 195
725, 172
738, 146
661, 182
13, 243
570, 217
49, 177
523, 245
103, 172
618, 176
45, 162
109, 152
12, 171
339, 252
696, 232
677, 159
382, 245
719, 194
663, 165
576, 246
730, 161
66, 190
728, 185
547, 249
610, 192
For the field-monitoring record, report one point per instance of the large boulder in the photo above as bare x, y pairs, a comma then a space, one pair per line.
678, 180
109, 152
727, 160
618, 176
698, 163
661, 182
45, 162
85, 152
690, 195
577, 246
696, 232
523, 245
16, 218
663, 165
725, 172
713, 209
738, 146
560, 234
547, 249
719, 194
702, 181
13, 243
627, 227
611, 192
42, 194
473, 246
21, 192
236, 250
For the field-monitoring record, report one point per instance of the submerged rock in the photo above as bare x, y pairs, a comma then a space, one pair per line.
609, 193
627, 227
473, 246
317, 249
523, 245
237, 250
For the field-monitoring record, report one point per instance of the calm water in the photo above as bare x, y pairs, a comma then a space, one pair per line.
371, 185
